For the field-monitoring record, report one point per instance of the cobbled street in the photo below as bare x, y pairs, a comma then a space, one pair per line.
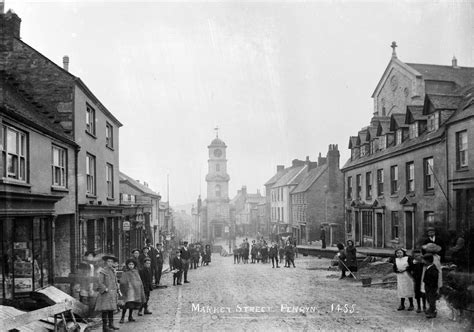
255, 297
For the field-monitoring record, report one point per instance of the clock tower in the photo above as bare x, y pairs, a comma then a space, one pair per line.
217, 202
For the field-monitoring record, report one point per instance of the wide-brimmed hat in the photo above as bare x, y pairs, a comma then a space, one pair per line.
106, 257
432, 248
131, 260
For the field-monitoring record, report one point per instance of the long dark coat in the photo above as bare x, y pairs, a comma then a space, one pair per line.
351, 259
273, 252
146, 275
131, 287
108, 290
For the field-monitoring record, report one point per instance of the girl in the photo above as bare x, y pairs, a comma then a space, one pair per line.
405, 287
132, 289
341, 257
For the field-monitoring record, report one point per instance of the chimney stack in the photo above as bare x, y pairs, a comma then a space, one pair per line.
244, 190
66, 63
454, 62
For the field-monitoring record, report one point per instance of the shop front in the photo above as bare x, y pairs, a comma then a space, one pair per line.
26, 233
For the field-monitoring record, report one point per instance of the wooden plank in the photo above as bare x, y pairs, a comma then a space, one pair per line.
29, 317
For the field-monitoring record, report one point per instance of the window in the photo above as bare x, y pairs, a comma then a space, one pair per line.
414, 130
399, 136
433, 121
349, 187
358, 185
13, 146
395, 225
109, 136
380, 182
429, 218
218, 167
90, 172
367, 226
363, 150
90, 120
383, 142
428, 174
394, 179
58, 166
218, 190
368, 185
282, 215
410, 177
109, 173
461, 149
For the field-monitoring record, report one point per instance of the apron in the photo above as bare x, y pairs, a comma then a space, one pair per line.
405, 285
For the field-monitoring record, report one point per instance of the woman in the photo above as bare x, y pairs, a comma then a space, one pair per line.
107, 299
131, 287
351, 258
403, 266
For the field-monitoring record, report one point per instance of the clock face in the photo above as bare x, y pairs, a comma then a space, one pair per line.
217, 152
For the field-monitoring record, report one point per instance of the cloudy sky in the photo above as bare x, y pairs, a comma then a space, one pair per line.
282, 79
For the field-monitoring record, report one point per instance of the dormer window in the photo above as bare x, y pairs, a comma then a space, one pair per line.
355, 153
433, 121
383, 142
414, 129
363, 150
399, 136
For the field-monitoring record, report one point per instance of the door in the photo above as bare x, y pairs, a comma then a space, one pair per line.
409, 238
379, 230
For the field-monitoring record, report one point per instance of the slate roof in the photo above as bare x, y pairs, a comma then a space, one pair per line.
311, 177
463, 113
290, 177
414, 113
138, 185
363, 136
460, 75
353, 141
276, 177
372, 132
444, 102
397, 121
384, 126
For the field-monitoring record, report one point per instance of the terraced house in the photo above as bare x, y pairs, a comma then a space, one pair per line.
396, 181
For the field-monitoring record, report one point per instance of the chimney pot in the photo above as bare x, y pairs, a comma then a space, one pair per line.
455, 62
66, 63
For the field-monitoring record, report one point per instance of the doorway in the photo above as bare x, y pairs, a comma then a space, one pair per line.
379, 231
409, 230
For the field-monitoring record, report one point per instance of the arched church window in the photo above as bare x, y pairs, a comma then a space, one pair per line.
218, 190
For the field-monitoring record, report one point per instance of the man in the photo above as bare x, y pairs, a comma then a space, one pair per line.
142, 257
159, 263
146, 274
186, 257
323, 237
152, 253
436, 239
274, 255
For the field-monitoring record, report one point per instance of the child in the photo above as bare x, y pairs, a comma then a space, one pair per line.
131, 287
341, 257
177, 265
417, 270
405, 287
146, 275
108, 293
430, 280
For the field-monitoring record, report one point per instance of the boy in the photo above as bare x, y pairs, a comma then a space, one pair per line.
177, 264
146, 274
417, 275
431, 284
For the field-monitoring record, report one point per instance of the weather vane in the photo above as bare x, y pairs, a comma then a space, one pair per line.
217, 131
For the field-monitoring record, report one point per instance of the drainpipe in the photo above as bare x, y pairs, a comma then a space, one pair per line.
77, 239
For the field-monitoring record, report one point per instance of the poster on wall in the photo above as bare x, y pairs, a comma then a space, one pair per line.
23, 285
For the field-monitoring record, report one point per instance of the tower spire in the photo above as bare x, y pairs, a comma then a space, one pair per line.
217, 131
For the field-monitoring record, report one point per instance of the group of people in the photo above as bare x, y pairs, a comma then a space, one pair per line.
346, 258
188, 258
260, 251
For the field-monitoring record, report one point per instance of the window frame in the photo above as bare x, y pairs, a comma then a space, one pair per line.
358, 186
109, 180
395, 227
380, 182
90, 120
368, 185
349, 187
410, 177
62, 168
462, 152
394, 178
91, 179
428, 174
21, 153
109, 135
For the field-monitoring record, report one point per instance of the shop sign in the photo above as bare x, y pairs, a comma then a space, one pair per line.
226, 229
126, 225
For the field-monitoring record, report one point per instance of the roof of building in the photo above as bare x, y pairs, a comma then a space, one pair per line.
353, 141
277, 176
125, 178
363, 136
414, 113
442, 101
291, 177
255, 198
463, 113
429, 136
459, 75
397, 121
311, 177
383, 126
372, 132
217, 141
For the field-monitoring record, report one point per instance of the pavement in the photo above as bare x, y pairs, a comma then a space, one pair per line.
254, 297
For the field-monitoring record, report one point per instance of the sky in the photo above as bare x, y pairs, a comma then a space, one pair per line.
281, 79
